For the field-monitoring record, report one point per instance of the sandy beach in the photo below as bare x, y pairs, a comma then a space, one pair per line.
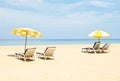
70, 64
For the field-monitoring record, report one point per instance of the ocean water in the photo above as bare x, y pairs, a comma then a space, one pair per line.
7, 42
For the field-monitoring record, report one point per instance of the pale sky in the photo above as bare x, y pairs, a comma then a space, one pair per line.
60, 19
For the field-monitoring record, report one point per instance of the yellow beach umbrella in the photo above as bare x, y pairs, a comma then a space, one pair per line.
25, 32
99, 34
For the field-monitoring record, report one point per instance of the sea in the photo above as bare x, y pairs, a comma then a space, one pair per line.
9, 42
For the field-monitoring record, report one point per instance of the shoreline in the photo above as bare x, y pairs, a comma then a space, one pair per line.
56, 41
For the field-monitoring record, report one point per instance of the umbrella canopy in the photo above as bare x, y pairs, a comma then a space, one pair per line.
99, 34
25, 32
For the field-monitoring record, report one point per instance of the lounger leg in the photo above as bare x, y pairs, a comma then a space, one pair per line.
45, 58
94, 51
24, 59
82, 50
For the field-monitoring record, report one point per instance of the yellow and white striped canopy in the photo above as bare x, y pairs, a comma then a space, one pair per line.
99, 34
26, 32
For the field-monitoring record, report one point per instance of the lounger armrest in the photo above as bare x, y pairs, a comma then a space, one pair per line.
85, 48
88, 48
19, 53
39, 53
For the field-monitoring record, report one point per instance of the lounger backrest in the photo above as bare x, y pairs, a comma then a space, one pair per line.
30, 52
96, 45
106, 46
49, 51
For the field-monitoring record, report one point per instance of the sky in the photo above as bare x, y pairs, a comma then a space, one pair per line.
60, 19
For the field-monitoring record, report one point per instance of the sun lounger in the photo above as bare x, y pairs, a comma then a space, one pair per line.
105, 48
48, 53
93, 49
29, 53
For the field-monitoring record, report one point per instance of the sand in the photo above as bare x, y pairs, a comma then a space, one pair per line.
70, 64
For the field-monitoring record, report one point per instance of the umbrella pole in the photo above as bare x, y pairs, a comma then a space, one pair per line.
25, 41
98, 39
